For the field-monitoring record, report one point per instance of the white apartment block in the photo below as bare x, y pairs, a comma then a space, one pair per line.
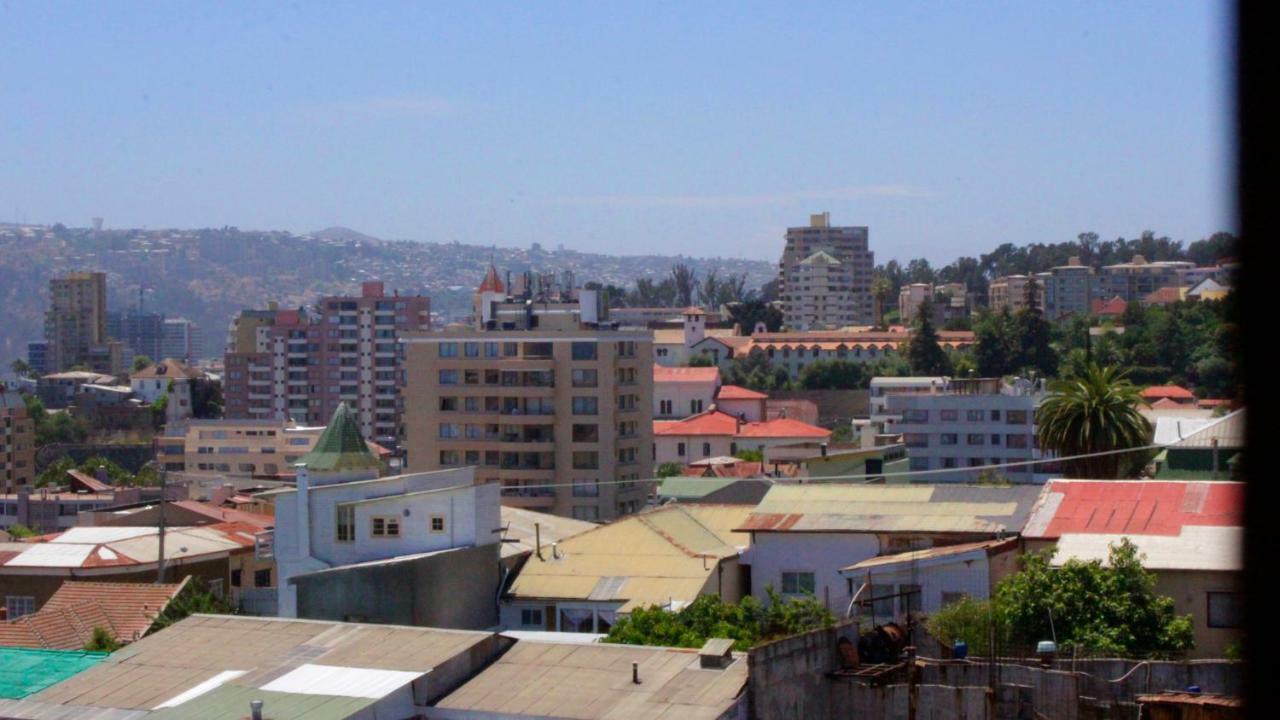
825, 276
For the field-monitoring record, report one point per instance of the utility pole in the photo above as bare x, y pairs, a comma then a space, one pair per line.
160, 562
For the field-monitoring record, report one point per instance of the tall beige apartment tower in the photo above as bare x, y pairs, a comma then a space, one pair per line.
825, 276
76, 322
542, 394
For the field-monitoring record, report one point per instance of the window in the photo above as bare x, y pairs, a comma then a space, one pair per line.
471, 349
437, 523
706, 449
974, 415
916, 440
448, 349
1226, 609
948, 439
798, 583
918, 463
586, 406
915, 416
235, 578
950, 415
586, 433
1016, 417
585, 378
385, 527
1016, 442
19, 605
586, 488
449, 404
346, 522
664, 407
586, 512
695, 407
995, 439
952, 597
448, 377
262, 578
680, 449
584, 351
976, 439
995, 416
531, 617
586, 460
448, 430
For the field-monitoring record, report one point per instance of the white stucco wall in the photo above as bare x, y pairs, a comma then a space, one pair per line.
824, 554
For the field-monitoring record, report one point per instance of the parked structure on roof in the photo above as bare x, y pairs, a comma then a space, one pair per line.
1190, 534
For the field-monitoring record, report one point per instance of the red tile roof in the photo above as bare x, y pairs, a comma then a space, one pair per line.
67, 620
1163, 296
736, 392
491, 283
1114, 306
715, 422
1172, 392
1134, 507
228, 515
665, 374
166, 369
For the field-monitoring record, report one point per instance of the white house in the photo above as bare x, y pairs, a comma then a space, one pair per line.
716, 434
341, 513
167, 378
803, 537
679, 392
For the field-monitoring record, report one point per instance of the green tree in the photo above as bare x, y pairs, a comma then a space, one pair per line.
746, 314
756, 372
994, 346
1095, 413
834, 375
102, 641
206, 399
923, 351
1033, 336
669, 469
192, 600
19, 531
750, 455
142, 362
747, 623
701, 360
880, 289
1111, 608
21, 368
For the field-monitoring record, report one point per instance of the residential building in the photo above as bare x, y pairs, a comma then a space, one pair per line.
974, 424
543, 395
181, 339
1067, 289
909, 584
716, 433
142, 333
674, 347
747, 404
804, 536
1208, 289
30, 573
17, 443
543, 679
1009, 292
1175, 393
792, 351
1191, 536
213, 666
238, 448
1138, 278
666, 557
950, 302
303, 363
683, 391
1210, 452
76, 321
1105, 309
882, 387
825, 276
342, 516
38, 357
126, 611
53, 509
169, 379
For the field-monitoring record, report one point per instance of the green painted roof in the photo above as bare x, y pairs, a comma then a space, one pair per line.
683, 486
341, 447
232, 701
24, 671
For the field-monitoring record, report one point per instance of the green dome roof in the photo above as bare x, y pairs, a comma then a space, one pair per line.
341, 447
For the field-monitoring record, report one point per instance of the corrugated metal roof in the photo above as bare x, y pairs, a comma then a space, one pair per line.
830, 507
519, 524
310, 679
644, 559
1170, 430
231, 702
944, 551
1228, 431
1134, 507
542, 679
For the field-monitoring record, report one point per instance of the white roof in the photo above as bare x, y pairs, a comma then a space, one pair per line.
51, 555
357, 682
1170, 430
95, 535
907, 381
1199, 547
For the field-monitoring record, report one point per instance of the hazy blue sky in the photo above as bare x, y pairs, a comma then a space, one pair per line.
694, 127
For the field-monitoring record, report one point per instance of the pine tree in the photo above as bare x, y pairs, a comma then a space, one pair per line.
923, 352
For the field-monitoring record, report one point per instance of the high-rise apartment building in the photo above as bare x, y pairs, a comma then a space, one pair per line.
301, 364
542, 394
181, 340
17, 443
1068, 289
142, 333
1009, 292
825, 276
1138, 278
76, 324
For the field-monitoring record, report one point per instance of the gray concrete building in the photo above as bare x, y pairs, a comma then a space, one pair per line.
825, 276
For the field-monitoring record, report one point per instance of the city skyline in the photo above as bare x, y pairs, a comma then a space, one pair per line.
626, 130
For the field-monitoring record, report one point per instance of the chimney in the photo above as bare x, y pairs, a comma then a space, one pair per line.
537, 538
304, 511
101, 475
635, 672
255, 709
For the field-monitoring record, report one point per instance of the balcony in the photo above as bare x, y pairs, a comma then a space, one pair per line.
530, 498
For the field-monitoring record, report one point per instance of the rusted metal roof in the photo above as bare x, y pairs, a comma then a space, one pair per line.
888, 508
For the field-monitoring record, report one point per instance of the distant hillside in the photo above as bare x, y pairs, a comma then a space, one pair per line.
208, 275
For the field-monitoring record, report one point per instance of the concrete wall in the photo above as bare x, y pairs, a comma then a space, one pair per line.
1190, 592
456, 589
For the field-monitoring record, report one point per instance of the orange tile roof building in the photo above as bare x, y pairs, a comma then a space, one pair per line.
717, 434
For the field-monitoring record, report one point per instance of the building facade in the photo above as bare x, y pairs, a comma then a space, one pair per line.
181, 340
542, 394
302, 364
142, 333
1138, 278
975, 423
825, 276
17, 443
1068, 289
76, 324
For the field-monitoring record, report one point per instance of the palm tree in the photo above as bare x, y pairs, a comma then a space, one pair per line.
1094, 412
880, 288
